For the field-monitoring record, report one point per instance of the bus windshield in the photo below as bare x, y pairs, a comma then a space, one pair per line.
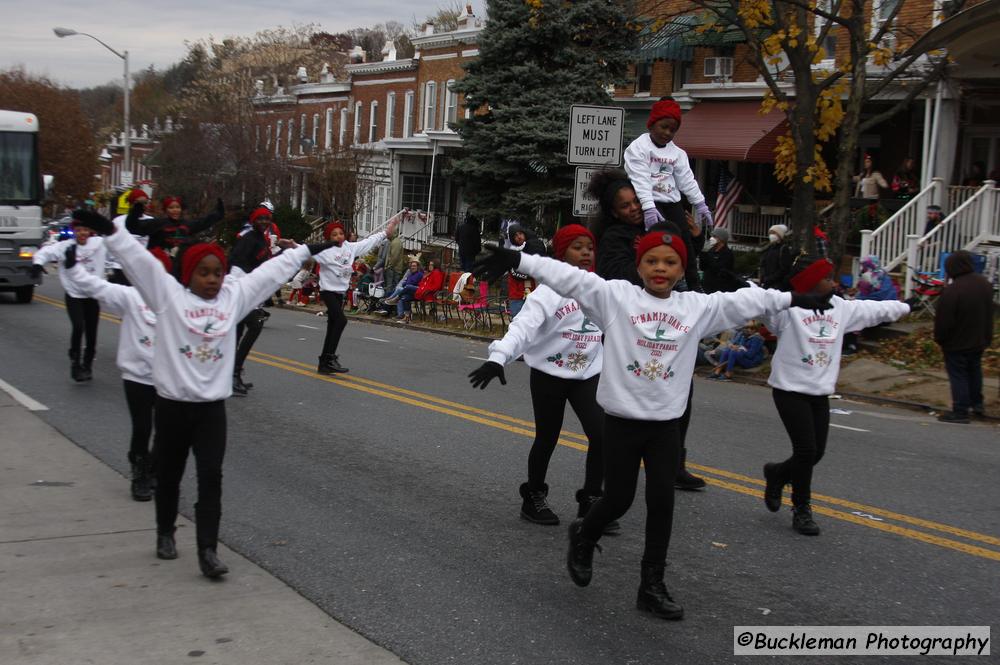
19, 181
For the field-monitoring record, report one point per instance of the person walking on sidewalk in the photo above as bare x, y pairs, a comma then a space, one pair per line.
804, 373
651, 337
563, 349
192, 368
617, 229
84, 311
334, 277
135, 360
963, 328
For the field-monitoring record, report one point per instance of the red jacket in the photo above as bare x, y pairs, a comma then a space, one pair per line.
429, 285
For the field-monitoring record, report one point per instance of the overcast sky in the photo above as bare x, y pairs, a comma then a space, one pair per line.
154, 33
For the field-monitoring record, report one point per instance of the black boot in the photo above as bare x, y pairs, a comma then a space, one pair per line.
209, 563
142, 488
328, 364
534, 507
686, 481
772, 491
585, 499
166, 548
75, 368
337, 367
239, 388
802, 520
87, 365
580, 559
653, 595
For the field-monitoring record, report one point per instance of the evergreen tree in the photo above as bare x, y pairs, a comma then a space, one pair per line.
536, 59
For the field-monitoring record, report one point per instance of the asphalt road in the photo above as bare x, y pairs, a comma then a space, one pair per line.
389, 498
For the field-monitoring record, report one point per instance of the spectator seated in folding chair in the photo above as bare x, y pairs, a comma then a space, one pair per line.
472, 310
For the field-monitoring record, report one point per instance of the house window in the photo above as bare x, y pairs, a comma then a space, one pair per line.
357, 123
683, 71
430, 105
451, 104
268, 144
277, 139
829, 43
291, 136
408, 115
343, 126
390, 113
373, 123
643, 77
302, 132
882, 10
328, 142
414, 192
315, 133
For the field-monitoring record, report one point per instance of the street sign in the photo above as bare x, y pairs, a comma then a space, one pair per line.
595, 135
126, 178
583, 204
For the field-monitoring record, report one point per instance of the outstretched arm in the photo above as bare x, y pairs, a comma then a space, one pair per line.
209, 220
266, 278
523, 328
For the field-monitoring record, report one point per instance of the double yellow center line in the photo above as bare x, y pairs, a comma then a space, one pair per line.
927, 531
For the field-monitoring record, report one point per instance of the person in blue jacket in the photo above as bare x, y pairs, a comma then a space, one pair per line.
746, 350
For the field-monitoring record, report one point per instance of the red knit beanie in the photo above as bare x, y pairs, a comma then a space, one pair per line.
169, 200
194, 255
136, 194
565, 236
163, 258
814, 273
667, 108
259, 212
657, 238
328, 229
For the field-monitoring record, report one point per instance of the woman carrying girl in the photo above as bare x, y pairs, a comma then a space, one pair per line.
192, 368
83, 310
334, 277
563, 349
650, 345
804, 373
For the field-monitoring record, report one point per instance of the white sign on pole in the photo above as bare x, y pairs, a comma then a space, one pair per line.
595, 135
127, 178
583, 203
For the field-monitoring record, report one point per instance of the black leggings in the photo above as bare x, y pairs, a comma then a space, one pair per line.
807, 421
549, 395
247, 332
140, 399
335, 320
199, 427
629, 443
83, 315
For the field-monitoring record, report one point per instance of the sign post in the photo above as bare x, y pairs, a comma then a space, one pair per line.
595, 141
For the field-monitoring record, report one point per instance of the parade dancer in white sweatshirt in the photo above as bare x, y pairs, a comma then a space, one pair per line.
804, 373
135, 360
335, 267
192, 367
84, 312
650, 344
563, 349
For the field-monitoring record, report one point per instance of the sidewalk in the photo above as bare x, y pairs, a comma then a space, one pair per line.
81, 583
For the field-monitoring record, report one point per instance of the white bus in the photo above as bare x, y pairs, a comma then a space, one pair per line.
21, 194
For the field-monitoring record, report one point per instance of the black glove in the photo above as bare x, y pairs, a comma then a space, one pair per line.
913, 301
70, 259
317, 247
808, 301
37, 271
482, 375
496, 263
92, 220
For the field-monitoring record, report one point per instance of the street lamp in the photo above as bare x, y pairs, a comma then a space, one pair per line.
127, 171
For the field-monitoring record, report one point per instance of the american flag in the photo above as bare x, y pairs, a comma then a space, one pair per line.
729, 192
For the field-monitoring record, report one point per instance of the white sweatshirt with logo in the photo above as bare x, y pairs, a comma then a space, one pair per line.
138, 333
554, 335
196, 338
660, 174
90, 257
807, 359
337, 263
650, 343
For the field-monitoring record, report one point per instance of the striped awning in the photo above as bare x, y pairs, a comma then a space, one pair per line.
731, 131
668, 43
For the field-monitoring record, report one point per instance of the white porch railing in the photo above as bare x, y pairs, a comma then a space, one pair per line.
957, 195
415, 231
975, 221
753, 221
889, 240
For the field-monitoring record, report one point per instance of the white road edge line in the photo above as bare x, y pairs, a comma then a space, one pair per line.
478, 358
376, 339
24, 400
853, 429
300, 325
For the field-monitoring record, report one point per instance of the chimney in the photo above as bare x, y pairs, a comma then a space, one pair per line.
301, 75
357, 55
388, 51
325, 76
468, 20
429, 28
